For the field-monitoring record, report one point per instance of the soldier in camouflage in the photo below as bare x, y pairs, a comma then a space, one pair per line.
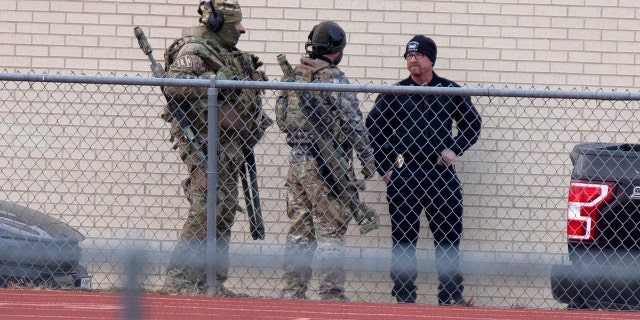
319, 218
205, 51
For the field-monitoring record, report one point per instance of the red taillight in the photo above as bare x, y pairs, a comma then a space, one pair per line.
582, 213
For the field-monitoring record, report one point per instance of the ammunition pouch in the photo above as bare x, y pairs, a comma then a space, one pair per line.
289, 117
241, 110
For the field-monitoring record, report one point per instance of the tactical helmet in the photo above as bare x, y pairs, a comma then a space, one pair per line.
325, 38
214, 14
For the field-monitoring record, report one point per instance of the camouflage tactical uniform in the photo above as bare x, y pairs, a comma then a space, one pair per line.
202, 53
319, 219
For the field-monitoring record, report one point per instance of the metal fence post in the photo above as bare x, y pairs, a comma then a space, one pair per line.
212, 185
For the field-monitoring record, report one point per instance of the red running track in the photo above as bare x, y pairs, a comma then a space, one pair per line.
70, 305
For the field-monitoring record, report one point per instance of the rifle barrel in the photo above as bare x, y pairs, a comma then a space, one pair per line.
144, 44
287, 70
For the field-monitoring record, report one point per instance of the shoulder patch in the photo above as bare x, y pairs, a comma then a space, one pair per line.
183, 62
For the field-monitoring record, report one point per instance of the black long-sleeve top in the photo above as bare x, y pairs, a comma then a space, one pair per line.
420, 127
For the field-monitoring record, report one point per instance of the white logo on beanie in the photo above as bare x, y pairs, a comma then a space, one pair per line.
412, 46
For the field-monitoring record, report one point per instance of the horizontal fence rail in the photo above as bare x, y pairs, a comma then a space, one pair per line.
92, 153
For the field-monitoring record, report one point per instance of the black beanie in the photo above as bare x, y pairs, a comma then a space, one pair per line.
424, 45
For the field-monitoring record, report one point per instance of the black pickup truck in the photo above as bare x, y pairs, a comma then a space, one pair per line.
603, 230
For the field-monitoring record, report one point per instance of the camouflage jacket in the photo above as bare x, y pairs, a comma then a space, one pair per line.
349, 130
197, 55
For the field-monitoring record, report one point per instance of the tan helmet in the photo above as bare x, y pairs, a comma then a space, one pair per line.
325, 38
214, 14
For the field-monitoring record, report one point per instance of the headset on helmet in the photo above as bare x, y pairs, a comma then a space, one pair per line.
216, 17
325, 38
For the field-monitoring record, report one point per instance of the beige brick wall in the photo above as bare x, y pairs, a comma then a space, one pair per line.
542, 44
534, 44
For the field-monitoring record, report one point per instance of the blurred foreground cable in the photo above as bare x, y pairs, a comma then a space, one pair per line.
132, 287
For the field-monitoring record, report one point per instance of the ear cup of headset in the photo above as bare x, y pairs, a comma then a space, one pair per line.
216, 20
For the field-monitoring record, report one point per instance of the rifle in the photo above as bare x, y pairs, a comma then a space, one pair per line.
173, 107
338, 171
251, 195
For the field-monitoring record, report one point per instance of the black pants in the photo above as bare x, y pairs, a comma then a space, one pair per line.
437, 190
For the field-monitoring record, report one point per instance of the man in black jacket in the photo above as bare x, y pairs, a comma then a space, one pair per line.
415, 150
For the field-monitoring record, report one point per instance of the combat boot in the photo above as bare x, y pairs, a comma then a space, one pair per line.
222, 291
461, 302
293, 295
177, 283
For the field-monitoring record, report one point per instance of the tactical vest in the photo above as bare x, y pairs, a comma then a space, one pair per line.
239, 111
289, 116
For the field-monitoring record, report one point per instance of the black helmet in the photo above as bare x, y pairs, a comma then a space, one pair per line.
325, 38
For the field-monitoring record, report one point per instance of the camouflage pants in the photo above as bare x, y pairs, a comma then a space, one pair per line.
187, 268
318, 225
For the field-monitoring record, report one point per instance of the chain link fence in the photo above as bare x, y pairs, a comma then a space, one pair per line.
93, 153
